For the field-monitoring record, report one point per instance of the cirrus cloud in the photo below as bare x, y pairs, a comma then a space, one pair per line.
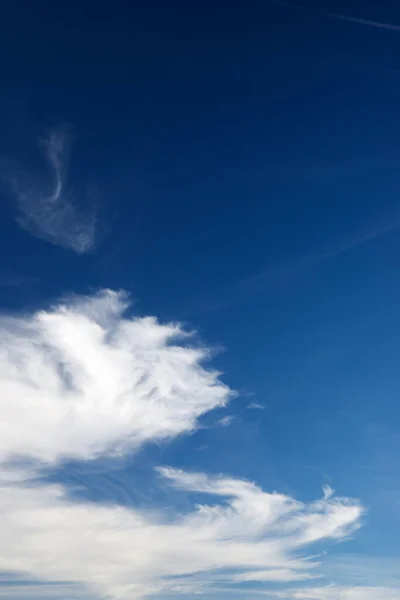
49, 211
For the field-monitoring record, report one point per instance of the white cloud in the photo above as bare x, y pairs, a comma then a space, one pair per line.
49, 212
83, 380
328, 517
226, 421
127, 553
255, 406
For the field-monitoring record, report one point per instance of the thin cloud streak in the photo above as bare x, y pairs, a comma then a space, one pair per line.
338, 16
282, 273
388, 26
312, 260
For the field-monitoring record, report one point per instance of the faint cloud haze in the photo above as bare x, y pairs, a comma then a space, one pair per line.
335, 592
17, 280
49, 211
226, 421
255, 406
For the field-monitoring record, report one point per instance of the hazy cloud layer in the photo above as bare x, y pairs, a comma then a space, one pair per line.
334, 592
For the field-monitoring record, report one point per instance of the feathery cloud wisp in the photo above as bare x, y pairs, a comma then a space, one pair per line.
83, 380
226, 421
53, 215
255, 406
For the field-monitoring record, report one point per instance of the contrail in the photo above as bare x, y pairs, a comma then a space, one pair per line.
339, 16
283, 273
364, 22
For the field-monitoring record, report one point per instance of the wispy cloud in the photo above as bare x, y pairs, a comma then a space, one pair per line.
255, 406
49, 211
226, 421
339, 16
83, 380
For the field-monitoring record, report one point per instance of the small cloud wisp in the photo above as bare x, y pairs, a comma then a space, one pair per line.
52, 214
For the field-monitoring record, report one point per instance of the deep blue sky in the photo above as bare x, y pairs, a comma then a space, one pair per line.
241, 154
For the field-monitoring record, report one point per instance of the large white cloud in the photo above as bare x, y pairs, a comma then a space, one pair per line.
82, 380
128, 553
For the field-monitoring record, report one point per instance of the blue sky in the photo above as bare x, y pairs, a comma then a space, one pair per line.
199, 300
